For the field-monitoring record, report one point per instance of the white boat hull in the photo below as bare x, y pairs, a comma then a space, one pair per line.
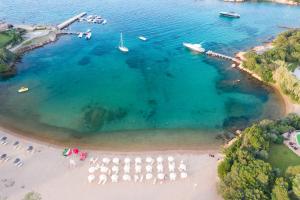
123, 49
194, 47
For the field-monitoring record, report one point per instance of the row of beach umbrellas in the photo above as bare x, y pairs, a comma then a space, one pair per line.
147, 169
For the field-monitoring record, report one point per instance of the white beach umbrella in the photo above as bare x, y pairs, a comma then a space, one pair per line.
160, 168
173, 176
103, 169
171, 159
91, 178
126, 177
115, 169
160, 176
149, 160
149, 176
183, 174
149, 168
159, 159
171, 167
182, 167
127, 160
102, 179
106, 160
116, 161
114, 178
138, 160
97, 167
138, 169
92, 170
127, 169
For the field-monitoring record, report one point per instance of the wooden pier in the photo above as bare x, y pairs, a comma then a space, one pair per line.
70, 21
219, 55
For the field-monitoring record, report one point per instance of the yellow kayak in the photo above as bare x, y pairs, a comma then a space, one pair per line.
23, 89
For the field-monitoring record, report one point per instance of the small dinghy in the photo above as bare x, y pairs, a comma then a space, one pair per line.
230, 14
142, 38
23, 89
88, 35
80, 35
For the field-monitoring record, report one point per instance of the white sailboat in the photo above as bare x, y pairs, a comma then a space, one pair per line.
121, 45
194, 47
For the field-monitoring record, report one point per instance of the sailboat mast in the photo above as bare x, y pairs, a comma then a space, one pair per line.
121, 41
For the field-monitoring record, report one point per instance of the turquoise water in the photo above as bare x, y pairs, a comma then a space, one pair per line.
157, 95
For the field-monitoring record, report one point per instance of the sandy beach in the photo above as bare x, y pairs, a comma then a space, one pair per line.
47, 172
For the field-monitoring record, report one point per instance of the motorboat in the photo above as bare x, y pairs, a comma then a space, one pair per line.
88, 35
80, 35
194, 47
230, 14
142, 38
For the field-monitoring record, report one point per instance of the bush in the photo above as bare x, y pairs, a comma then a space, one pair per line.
32, 196
224, 168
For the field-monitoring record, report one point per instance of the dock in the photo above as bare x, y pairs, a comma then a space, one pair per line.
70, 21
222, 56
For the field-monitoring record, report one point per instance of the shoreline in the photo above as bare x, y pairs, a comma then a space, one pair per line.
290, 106
52, 172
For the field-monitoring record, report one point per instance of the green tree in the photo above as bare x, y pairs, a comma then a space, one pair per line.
280, 190
250, 181
296, 185
32, 196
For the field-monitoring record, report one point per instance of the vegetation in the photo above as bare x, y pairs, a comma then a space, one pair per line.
248, 170
7, 58
275, 65
12, 36
280, 156
32, 196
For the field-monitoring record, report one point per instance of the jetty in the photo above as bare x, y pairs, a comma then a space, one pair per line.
222, 56
70, 21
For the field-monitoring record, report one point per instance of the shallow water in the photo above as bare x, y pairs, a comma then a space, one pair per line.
159, 95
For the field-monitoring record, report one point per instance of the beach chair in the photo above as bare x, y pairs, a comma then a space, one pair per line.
16, 161
20, 164
29, 149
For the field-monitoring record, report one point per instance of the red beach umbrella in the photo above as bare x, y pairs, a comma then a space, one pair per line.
83, 155
75, 150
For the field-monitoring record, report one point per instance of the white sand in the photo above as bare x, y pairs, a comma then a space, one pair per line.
47, 172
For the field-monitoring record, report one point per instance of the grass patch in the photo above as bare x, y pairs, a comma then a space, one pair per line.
298, 138
282, 157
12, 36
5, 39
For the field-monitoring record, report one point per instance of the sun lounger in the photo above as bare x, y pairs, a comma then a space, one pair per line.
20, 164
30, 149
16, 161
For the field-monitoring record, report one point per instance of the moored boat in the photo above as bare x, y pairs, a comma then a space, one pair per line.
142, 38
88, 35
23, 89
230, 14
80, 35
121, 45
194, 47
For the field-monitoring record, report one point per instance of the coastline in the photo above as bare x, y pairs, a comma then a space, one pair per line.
290, 106
53, 171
